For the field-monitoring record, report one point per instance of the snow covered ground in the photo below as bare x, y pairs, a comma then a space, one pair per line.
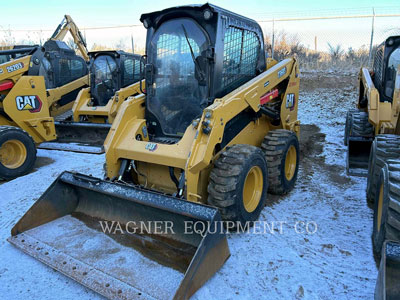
333, 261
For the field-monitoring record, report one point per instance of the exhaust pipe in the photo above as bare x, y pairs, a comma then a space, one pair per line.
89, 229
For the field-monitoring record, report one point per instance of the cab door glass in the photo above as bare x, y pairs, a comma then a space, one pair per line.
393, 63
46, 70
104, 81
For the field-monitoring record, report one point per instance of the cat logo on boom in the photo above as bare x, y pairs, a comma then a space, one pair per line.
31, 103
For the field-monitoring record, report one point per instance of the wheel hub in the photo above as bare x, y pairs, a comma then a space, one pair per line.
12, 154
290, 163
253, 188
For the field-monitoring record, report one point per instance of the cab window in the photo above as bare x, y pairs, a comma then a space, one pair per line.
393, 63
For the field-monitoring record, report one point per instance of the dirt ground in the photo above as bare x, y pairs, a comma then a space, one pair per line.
332, 260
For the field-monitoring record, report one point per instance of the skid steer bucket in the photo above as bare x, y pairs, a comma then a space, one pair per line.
388, 283
358, 151
79, 137
152, 250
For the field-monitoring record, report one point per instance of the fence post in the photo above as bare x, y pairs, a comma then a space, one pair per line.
273, 38
372, 37
133, 46
315, 44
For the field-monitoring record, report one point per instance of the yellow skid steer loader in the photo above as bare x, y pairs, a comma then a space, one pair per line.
216, 130
114, 77
378, 109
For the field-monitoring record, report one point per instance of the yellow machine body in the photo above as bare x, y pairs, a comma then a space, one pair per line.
83, 107
196, 151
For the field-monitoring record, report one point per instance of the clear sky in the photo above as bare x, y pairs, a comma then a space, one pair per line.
22, 14
47, 14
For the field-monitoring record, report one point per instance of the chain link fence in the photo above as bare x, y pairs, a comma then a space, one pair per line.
339, 41
322, 40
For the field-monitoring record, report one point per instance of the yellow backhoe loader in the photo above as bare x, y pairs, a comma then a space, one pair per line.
373, 137
216, 130
114, 77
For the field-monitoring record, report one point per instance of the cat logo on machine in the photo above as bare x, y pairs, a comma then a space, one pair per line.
151, 147
31, 103
290, 101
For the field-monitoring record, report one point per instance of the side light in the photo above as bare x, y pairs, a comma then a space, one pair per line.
207, 14
146, 23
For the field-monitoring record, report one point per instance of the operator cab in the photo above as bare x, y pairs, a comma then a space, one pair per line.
59, 65
184, 75
110, 71
386, 62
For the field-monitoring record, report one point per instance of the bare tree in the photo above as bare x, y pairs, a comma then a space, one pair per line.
70, 42
336, 52
121, 45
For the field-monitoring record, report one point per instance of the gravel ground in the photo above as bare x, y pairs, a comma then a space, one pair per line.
333, 260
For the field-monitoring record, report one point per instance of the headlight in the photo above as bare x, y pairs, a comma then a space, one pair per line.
207, 14
146, 23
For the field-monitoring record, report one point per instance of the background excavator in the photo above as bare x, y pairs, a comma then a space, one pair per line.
215, 132
372, 135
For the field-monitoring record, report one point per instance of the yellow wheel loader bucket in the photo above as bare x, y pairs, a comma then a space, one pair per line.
122, 241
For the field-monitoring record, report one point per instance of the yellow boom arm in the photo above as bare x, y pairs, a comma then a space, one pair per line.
68, 25
383, 115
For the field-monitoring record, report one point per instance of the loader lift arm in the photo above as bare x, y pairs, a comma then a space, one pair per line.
378, 113
68, 25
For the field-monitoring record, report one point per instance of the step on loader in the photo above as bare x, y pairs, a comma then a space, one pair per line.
114, 76
216, 130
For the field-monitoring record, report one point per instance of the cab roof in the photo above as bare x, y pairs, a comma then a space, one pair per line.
179, 11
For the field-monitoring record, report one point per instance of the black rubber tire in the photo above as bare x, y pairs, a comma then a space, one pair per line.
347, 127
275, 146
225, 189
14, 133
383, 148
360, 126
390, 220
